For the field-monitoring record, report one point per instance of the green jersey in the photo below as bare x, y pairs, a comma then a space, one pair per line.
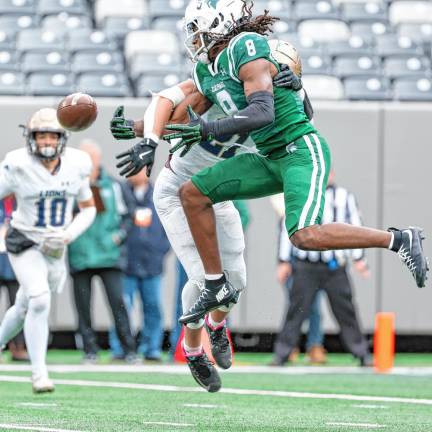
220, 83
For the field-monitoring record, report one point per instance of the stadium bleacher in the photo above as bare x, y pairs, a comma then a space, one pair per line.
360, 49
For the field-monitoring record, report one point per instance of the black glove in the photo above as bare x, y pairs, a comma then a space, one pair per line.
136, 158
121, 128
286, 78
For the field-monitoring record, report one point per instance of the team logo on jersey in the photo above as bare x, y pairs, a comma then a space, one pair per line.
212, 3
291, 148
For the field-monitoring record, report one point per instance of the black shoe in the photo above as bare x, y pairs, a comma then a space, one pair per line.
411, 254
276, 362
220, 345
204, 373
367, 361
214, 295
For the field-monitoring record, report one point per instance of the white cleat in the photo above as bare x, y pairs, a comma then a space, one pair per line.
42, 385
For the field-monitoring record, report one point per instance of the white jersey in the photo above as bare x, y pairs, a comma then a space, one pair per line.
204, 155
45, 201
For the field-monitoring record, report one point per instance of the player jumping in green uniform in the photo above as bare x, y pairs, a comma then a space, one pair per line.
234, 70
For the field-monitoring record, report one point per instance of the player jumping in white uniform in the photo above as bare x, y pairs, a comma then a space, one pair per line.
178, 170
47, 179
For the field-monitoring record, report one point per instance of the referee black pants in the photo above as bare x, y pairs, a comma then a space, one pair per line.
113, 283
307, 279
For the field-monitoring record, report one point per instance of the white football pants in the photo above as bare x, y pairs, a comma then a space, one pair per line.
229, 233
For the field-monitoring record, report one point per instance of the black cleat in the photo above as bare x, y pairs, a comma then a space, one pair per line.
220, 345
214, 295
411, 254
203, 371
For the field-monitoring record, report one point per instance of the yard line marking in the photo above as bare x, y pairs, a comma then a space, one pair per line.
237, 369
244, 392
34, 428
191, 405
168, 424
370, 406
37, 405
360, 425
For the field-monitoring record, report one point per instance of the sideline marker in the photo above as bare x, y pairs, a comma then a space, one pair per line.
384, 341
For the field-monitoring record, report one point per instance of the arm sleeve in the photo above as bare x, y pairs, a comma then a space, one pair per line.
307, 106
7, 183
125, 208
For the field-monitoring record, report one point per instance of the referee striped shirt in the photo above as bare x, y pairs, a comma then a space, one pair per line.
340, 206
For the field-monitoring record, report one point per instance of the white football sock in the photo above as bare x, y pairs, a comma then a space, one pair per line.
192, 351
36, 333
13, 320
213, 276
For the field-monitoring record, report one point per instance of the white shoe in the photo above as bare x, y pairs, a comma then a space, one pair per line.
42, 385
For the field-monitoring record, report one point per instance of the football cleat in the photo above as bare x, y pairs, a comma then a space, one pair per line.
220, 344
214, 295
411, 254
203, 371
42, 385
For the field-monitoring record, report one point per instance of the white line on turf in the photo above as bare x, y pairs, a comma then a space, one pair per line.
168, 424
202, 406
37, 405
365, 406
244, 392
359, 425
33, 428
184, 370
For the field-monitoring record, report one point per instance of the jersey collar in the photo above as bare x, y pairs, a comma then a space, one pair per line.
213, 67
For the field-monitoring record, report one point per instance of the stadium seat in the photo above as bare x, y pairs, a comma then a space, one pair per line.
154, 83
410, 12
7, 40
355, 45
11, 84
368, 89
356, 66
12, 24
417, 32
17, 7
413, 89
307, 10
150, 41
90, 40
323, 87
52, 7
108, 85
40, 40
367, 11
284, 26
315, 64
153, 63
367, 29
62, 23
172, 24
401, 67
166, 8
324, 30
97, 61
279, 8
8, 60
114, 8
50, 84
54, 61
393, 45
119, 27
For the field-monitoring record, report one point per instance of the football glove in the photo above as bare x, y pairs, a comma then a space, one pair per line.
190, 134
54, 246
121, 128
137, 157
286, 78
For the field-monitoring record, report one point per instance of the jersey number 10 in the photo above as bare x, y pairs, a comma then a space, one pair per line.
56, 210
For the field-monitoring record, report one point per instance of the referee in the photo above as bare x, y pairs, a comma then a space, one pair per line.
327, 270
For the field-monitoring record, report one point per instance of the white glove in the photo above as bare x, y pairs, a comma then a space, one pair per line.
54, 245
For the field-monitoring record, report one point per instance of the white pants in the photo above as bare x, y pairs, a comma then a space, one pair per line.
229, 232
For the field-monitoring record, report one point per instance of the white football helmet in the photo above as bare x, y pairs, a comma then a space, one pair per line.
204, 18
45, 120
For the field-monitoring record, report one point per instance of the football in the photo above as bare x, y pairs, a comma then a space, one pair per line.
285, 53
77, 112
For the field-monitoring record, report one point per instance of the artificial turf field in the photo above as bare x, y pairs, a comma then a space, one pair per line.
108, 397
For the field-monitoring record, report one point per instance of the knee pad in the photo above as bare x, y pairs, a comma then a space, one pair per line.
190, 293
40, 304
21, 304
237, 278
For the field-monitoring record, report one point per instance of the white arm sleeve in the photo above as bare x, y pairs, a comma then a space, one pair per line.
6, 186
84, 192
81, 222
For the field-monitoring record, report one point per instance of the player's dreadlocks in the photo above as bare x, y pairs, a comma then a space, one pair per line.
260, 24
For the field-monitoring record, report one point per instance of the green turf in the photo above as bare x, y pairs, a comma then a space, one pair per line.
96, 409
